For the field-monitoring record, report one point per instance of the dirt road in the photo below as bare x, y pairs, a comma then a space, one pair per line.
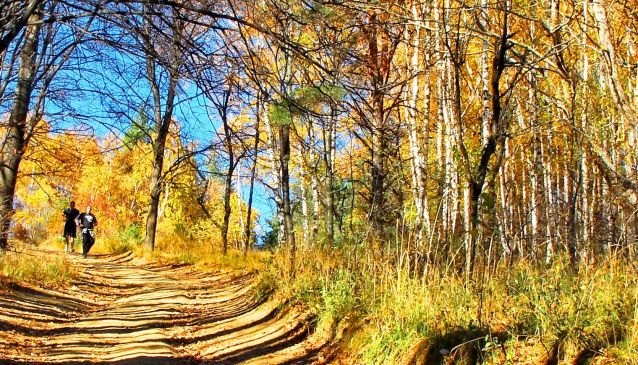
121, 312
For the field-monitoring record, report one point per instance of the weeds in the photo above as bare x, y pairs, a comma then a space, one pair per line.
34, 267
174, 249
339, 294
591, 311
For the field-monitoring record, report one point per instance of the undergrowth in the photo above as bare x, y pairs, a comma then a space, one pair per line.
514, 314
35, 267
174, 249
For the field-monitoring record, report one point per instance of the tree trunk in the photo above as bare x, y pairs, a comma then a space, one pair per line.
251, 189
249, 211
418, 159
378, 69
329, 201
162, 206
19, 21
476, 177
315, 205
377, 204
587, 206
618, 94
525, 206
469, 225
450, 176
441, 123
549, 198
228, 185
304, 213
570, 196
485, 68
427, 118
14, 142
275, 147
240, 211
155, 186
162, 125
310, 233
535, 207
228, 188
284, 159
506, 218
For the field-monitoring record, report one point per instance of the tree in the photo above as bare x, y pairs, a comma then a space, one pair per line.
15, 137
16, 15
160, 56
42, 52
483, 170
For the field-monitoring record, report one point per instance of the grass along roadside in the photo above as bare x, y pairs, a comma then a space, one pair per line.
174, 249
518, 315
515, 315
23, 265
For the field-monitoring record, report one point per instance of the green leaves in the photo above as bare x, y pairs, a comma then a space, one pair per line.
303, 101
139, 130
280, 113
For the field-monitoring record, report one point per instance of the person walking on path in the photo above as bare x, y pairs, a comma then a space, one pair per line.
87, 222
70, 228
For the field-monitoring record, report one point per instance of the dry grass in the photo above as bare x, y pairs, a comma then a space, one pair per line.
24, 265
512, 316
173, 249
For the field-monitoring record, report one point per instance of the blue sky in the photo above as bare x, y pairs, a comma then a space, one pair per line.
106, 96
99, 91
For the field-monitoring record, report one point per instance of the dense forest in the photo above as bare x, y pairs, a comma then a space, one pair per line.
460, 172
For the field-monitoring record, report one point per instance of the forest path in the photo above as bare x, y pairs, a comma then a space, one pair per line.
119, 311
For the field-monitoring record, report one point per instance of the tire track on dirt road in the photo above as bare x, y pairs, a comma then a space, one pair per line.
119, 311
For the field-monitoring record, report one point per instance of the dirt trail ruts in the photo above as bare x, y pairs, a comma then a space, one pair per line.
122, 312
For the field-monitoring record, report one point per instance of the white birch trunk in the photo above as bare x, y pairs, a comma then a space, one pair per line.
314, 185
417, 157
549, 195
304, 212
467, 218
525, 210
533, 206
484, 64
313, 158
440, 153
506, 207
608, 210
584, 163
427, 95
441, 130
452, 136
606, 43
162, 207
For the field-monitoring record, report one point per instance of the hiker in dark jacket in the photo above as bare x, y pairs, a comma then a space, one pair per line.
87, 221
70, 228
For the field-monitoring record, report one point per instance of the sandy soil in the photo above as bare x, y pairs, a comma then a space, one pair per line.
123, 312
